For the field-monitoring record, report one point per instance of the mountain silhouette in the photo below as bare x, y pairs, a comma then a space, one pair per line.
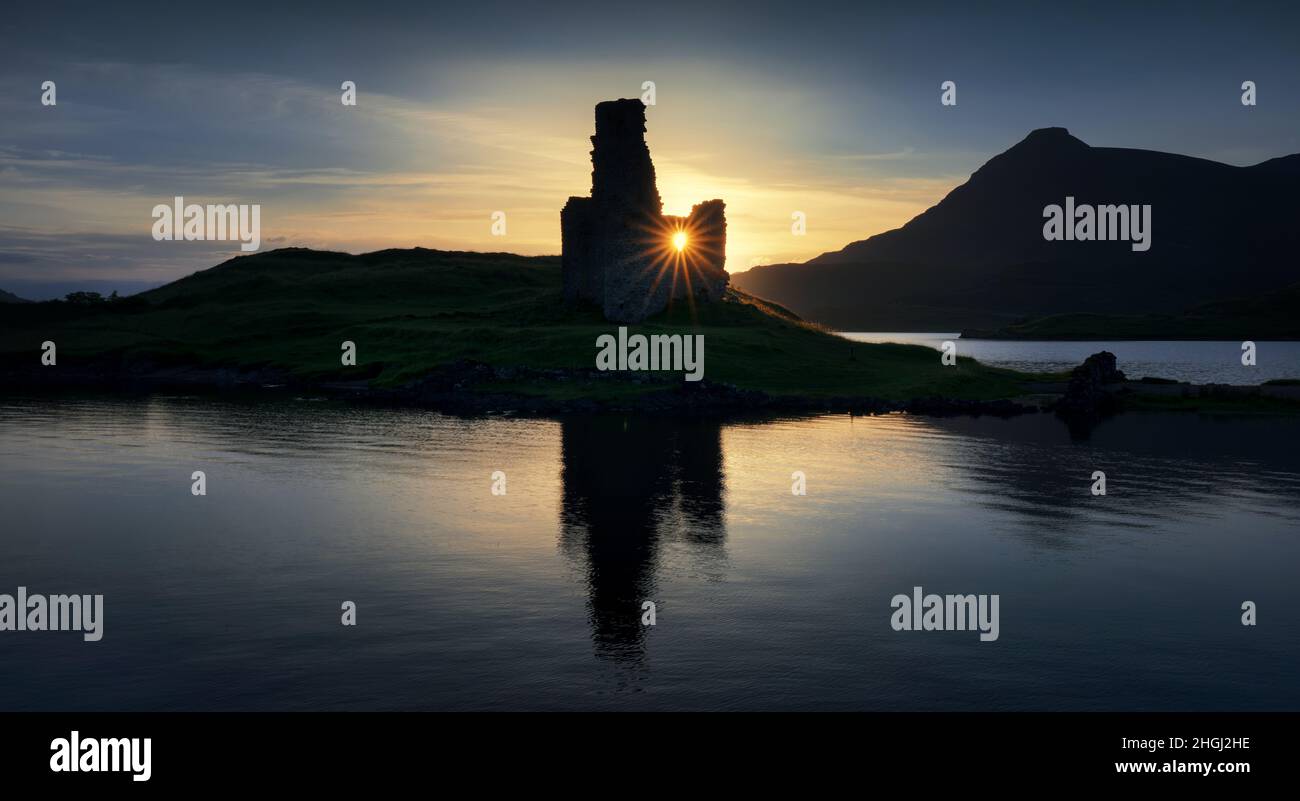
979, 258
7, 297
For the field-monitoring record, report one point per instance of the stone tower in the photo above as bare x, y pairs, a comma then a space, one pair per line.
618, 246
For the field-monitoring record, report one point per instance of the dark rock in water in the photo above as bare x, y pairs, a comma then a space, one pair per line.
1091, 387
618, 246
1108, 366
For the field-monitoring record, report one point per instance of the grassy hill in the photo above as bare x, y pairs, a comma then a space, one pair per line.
411, 312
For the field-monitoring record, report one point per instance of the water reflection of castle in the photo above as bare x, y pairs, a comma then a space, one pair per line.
631, 487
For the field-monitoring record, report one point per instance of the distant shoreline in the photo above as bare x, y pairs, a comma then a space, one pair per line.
1002, 335
999, 335
445, 391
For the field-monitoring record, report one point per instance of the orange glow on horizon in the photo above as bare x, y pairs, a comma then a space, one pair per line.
671, 260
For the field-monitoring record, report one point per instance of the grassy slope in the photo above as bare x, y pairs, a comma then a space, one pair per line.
412, 310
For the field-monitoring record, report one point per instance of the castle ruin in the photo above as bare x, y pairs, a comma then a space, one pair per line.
620, 251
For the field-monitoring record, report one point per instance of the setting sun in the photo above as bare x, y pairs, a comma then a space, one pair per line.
679, 240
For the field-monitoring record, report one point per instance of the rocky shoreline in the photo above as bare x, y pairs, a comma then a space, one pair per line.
452, 389
446, 390
1096, 389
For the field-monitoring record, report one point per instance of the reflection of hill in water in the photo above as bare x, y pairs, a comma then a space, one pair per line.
1158, 467
631, 484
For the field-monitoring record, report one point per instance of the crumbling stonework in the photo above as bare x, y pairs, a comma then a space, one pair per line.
618, 246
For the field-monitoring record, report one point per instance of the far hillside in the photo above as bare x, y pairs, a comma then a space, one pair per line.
978, 259
1271, 315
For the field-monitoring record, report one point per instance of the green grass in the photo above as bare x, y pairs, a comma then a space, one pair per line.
410, 311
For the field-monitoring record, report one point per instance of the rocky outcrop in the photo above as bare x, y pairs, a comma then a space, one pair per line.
619, 250
1091, 386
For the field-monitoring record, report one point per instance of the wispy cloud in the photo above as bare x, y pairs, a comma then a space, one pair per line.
390, 172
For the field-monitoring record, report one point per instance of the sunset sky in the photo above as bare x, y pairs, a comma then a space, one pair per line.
828, 109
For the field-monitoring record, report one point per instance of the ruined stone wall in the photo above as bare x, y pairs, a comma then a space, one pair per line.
575, 257
708, 226
622, 175
617, 248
